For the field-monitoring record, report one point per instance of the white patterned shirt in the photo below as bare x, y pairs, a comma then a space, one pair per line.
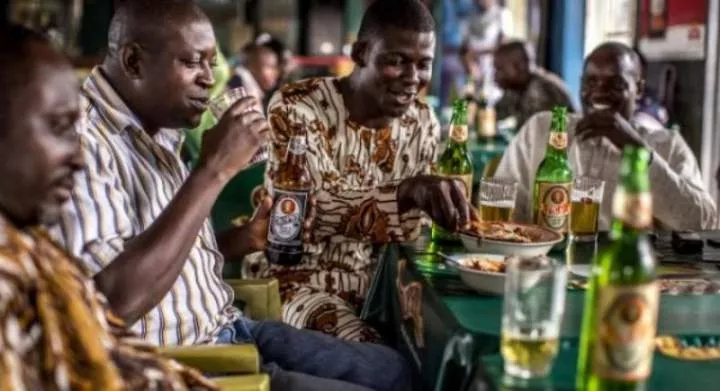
128, 180
680, 200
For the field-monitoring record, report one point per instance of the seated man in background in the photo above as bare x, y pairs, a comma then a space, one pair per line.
370, 147
611, 84
139, 220
262, 66
56, 332
527, 88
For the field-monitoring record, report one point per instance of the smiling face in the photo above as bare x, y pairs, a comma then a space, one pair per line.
38, 142
394, 68
177, 79
611, 81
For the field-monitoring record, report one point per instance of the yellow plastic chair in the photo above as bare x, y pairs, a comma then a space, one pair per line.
261, 299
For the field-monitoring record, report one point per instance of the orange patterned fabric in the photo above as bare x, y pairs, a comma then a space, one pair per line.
56, 332
355, 172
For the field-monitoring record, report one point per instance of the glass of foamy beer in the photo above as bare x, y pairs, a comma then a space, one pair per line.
496, 199
586, 196
221, 103
532, 315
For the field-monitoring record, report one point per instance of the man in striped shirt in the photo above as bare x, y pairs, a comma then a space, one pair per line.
140, 221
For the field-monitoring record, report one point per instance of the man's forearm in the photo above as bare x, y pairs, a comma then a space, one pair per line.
146, 270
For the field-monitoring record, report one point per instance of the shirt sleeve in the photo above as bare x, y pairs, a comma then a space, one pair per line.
519, 163
344, 211
96, 221
681, 200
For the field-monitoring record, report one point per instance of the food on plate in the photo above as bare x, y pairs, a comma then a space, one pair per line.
484, 264
502, 231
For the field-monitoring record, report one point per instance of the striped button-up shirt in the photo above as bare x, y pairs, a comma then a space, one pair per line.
128, 180
680, 198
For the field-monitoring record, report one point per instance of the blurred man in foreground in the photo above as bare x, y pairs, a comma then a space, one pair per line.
527, 88
370, 147
56, 331
611, 84
139, 220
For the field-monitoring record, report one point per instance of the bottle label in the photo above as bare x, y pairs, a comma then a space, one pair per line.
459, 133
297, 145
287, 218
466, 180
626, 325
558, 140
635, 210
554, 208
486, 122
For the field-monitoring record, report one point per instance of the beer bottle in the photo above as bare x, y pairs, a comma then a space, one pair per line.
472, 104
621, 303
554, 179
455, 160
290, 189
485, 123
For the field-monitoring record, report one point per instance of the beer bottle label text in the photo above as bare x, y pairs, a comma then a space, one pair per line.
287, 217
459, 133
626, 325
554, 208
558, 140
635, 210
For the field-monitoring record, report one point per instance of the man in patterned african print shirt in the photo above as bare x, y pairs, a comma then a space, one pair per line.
56, 332
370, 146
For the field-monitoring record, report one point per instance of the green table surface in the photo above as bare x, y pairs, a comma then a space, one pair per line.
480, 316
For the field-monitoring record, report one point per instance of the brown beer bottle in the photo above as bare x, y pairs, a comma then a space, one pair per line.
290, 190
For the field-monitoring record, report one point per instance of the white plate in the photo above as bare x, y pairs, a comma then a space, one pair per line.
547, 239
483, 282
580, 270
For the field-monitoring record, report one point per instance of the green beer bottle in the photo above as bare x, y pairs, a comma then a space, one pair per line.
455, 160
554, 179
621, 303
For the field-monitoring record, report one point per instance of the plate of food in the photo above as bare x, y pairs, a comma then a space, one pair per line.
497, 237
483, 272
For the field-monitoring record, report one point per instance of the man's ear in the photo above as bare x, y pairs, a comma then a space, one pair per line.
131, 60
359, 53
640, 87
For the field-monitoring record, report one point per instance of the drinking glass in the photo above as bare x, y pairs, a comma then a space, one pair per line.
221, 103
586, 197
496, 199
532, 315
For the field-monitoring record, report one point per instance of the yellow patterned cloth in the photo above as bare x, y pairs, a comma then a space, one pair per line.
56, 332
355, 172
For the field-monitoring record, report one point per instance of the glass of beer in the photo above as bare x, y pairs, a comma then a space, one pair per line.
586, 196
532, 315
496, 199
222, 102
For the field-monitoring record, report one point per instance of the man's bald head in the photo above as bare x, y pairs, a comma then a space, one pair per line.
619, 53
612, 80
518, 50
150, 22
514, 63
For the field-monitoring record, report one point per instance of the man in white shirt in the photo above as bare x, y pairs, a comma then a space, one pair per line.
611, 84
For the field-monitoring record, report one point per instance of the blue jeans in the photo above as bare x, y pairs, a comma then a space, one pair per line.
300, 360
